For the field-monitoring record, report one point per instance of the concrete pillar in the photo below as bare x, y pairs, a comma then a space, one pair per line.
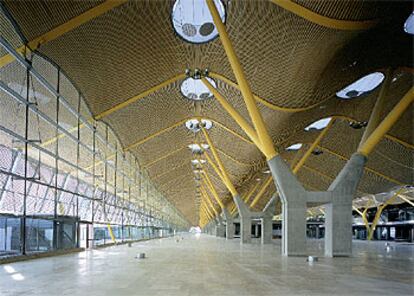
338, 217
229, 224
245, 220
220, 227
293, 198
267, 221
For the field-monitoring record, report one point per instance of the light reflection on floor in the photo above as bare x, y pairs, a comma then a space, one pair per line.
205, 265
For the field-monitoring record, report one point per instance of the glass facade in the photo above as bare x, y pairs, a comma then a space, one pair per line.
59, 167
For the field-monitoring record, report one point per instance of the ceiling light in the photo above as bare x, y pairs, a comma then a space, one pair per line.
267, 171
318, 125
361, 86
358, 124
409, 24
195, 126
293, 147
194, 89
317, 152
193, 22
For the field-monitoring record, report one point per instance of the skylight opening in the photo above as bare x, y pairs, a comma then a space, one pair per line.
193, 22
362, 86
409, 24
195, 148
319, 124
195, 125
294, 147
194, 89
198, 161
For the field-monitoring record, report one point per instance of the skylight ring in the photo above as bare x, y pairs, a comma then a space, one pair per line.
221, 8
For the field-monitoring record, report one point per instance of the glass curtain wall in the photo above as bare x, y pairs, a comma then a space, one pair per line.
60, 168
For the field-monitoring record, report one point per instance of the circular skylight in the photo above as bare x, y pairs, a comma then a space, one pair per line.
195, 148
294, 147
318, 125
195, 126
409, 24
194, 89
193, 22
361, 86
198, 161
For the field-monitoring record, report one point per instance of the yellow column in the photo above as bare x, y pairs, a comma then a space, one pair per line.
375, 117
387, 123
209, 184
312, 147
262, 191
224, 174
254, 112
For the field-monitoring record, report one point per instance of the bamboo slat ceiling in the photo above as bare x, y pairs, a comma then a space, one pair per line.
294, 65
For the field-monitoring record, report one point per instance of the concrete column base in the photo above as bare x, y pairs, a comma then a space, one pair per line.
220, 230
245, 220
338, 217
267, 231
245, 230
229, 224
267, 221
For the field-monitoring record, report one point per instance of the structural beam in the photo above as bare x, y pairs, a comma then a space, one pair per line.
147, 165
65, 28
262, 191
379, 212
392, 117
375, 117
258, 123
244, 125
313, 146
139, 96
261, 100
224, 175
365, 168
322, 20
207, 198
210, 186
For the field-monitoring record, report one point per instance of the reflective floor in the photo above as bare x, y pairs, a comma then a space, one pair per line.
207, 265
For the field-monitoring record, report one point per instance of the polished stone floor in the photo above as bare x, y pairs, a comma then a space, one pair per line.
205, 265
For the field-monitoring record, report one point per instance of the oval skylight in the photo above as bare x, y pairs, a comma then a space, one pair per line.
195, 126
198, 161
319, 124
195, 148
193, 22
294, 147
409, 24
194, 89
361, 86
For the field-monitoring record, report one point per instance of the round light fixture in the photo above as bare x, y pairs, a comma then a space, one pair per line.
193, 22
195, 125
195, 90
361, 86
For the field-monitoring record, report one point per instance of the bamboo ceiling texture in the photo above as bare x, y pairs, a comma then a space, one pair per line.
294, 65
